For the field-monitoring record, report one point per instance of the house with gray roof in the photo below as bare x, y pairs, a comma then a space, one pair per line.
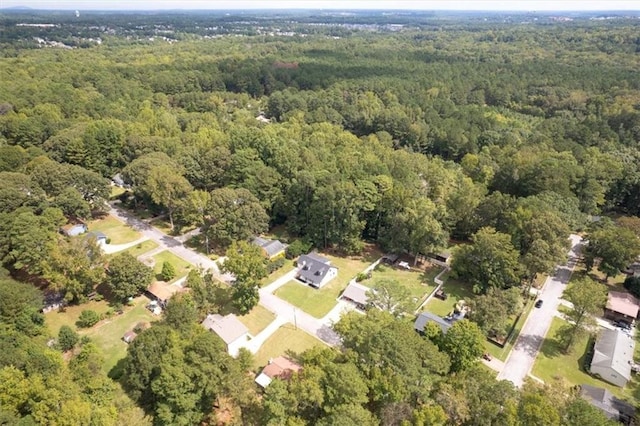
357, 294
605, 401
613, 356
229, 328
270, 248
426, 317
315, 270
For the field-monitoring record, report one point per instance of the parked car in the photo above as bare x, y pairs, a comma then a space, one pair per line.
539, 304
487, 356
622, 324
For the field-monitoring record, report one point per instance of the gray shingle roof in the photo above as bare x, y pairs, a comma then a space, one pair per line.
427, 317
271, 247
229, 328
614, 349
313, 268
357, 293
606, 401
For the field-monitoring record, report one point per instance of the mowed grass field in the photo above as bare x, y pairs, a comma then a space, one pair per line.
456, 290
419, 283
257, 320
552, 363
107, 334
318, 302
287, 339
116, 231
181, 266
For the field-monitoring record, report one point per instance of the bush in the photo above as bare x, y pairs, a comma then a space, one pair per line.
88, 318
362, 276
275, 264
67, 338
633, 285
297, 248
108, 241
168, 271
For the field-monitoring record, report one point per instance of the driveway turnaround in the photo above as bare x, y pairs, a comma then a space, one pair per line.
523, 355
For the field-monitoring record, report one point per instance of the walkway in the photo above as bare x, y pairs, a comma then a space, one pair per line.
114, 248
520, 361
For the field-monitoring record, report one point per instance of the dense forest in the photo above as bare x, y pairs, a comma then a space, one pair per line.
504, 135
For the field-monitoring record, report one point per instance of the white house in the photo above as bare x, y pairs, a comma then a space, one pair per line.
612, 357
315, 270
229, 328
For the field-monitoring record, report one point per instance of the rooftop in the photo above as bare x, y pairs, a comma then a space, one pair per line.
614, 349
624, 303
229, 327
426, 317
357, 293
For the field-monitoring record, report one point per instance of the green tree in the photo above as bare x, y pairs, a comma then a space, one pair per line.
72, 204
67, 338
588, 298
167, 188
236, 215
87, 318
181, 313
246, 262
464, 343
633, 285
127, 277
492, 311
614, 246
391, 296
245, 296
168, 271
491, 261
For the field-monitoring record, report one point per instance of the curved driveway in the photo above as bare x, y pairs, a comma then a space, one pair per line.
523, 355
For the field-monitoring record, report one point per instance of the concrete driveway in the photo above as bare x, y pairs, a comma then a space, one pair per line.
523, 355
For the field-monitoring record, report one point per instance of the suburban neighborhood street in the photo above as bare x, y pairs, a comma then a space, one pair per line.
285, 312
523, 355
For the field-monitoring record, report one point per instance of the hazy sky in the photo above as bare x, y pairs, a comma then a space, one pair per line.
329, 4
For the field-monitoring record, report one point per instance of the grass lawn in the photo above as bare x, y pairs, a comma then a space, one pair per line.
116, 191
116, 231
552, 363
288, 266
286, 339
141, 248
108, 333
319, 302
456, 290
502, 353
615, 283
257, 320
181, 266
419, 283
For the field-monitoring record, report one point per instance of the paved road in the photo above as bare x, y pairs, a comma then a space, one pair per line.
285, 312
523, 355
169, 243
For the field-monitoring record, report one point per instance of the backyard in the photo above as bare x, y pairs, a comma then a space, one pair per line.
286, 339
181, 266
552, 363
419, 283
107, 334
456, 290
116, 231
318, 302
257, 320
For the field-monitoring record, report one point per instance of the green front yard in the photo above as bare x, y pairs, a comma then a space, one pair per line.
181, 266
107, 334
141, 248
456, 290
257, 320
286, 339
552, 363
419, 283
319, 302
116, 231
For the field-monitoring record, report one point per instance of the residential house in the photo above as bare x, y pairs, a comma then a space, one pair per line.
357, 294
426, 317
315, 270
229, 328
605, 401
161, 292
621, 306
74, 229
612, 357
279, 368
270, 248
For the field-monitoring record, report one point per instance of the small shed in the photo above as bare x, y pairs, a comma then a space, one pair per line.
129, 336
100, 237
74, 229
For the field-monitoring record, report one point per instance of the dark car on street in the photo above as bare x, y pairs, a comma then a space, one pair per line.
539, 303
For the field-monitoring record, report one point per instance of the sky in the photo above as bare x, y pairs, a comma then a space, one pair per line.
532, 5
